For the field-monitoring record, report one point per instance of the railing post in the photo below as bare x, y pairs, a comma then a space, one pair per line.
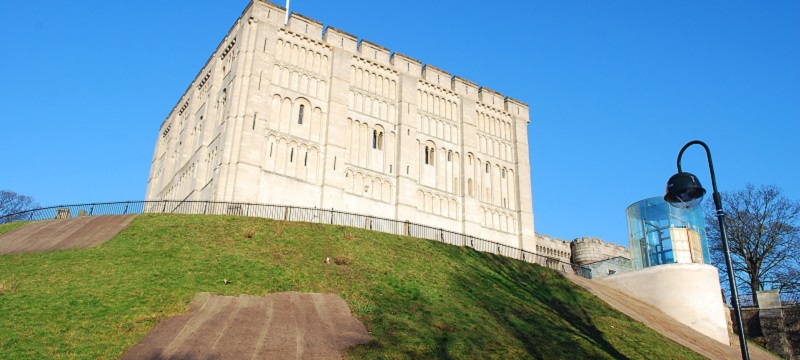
286, 214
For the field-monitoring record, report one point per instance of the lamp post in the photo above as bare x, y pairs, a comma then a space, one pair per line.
684, 191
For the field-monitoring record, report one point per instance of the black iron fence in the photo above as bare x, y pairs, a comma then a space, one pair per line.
294, 213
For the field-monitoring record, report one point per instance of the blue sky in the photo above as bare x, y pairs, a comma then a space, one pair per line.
616, 88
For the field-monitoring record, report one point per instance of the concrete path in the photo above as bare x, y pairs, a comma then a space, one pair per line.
58, 234
666, 325
278, 326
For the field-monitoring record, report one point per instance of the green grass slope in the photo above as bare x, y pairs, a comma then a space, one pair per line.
418, 298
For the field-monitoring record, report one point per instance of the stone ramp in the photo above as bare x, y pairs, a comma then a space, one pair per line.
666, 325
59, 234
279, 326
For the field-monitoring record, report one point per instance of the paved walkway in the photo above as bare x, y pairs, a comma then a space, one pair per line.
666, 325
278, 326
59, 234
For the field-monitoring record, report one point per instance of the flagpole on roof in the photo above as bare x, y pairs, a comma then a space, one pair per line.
287, 13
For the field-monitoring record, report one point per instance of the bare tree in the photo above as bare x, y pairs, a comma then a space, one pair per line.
12, 203
764, 237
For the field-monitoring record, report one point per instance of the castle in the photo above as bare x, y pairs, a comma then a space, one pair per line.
308, 115
287, 111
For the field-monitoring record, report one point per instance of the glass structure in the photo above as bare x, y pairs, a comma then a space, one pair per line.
663, 234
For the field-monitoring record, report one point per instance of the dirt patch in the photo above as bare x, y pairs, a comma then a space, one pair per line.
666, 325
59, 234
278, 326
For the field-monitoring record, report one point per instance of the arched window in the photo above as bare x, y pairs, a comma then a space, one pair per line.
449, 156
377, 138
300, 114
431, 153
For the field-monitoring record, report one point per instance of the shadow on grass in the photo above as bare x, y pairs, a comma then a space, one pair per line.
406, 328
539, 307
494, 308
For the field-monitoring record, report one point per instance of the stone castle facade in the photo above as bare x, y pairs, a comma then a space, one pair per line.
580, 251
307, 115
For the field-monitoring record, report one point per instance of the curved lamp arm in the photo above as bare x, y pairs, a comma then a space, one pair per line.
715, 194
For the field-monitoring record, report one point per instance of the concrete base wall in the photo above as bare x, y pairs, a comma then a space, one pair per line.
690, 293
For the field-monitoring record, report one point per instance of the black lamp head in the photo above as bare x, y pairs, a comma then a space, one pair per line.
684, 190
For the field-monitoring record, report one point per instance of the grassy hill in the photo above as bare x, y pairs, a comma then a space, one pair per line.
418, 298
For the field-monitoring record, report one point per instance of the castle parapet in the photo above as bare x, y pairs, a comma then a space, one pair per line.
587, 250
375, 52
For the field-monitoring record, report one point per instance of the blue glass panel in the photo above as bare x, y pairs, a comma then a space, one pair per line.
649, 229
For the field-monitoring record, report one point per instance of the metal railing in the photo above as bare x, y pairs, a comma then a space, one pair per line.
295, 213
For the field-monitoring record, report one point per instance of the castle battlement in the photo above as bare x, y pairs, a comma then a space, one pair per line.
311, 29
591, 249
465, 88
599, 242
335, 37
544, 237
553, 247
374, 52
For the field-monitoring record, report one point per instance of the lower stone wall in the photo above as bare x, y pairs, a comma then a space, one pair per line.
791, 324
752, 328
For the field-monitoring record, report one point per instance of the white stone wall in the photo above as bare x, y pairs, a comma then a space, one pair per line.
690, 293
554, 247
305, 115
